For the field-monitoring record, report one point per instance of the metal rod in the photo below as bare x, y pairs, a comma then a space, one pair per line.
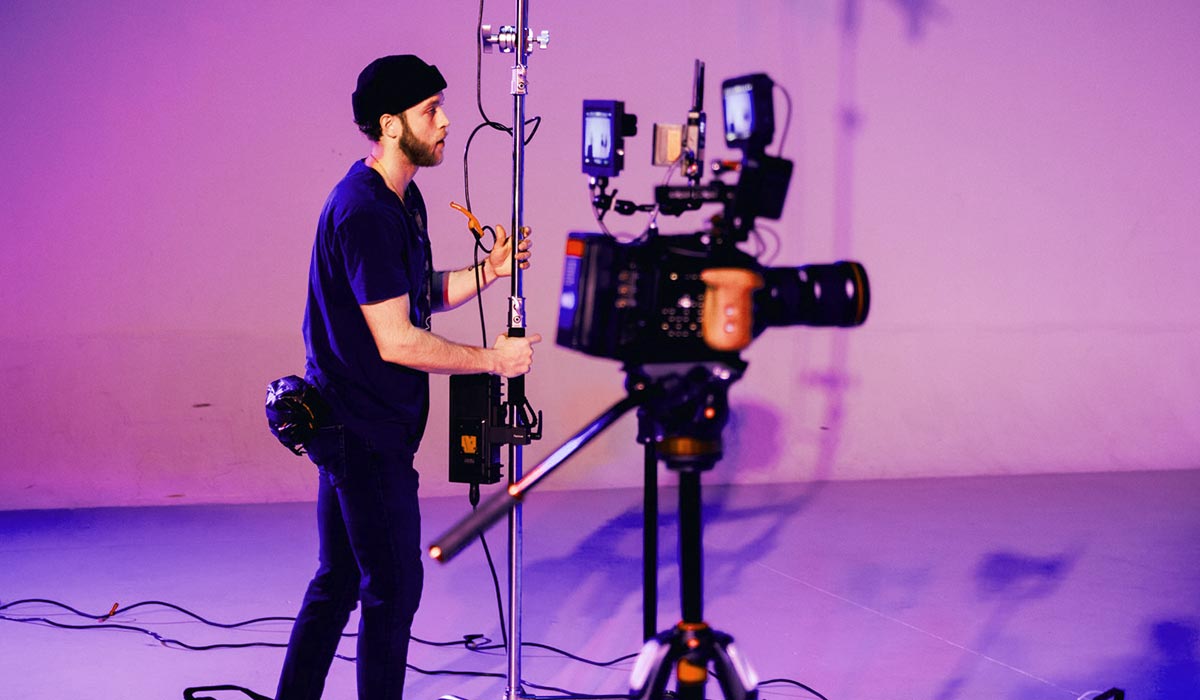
519, 90
516, 386
513, 688
451, 542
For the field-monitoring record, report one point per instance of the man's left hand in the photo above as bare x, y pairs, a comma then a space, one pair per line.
500, 259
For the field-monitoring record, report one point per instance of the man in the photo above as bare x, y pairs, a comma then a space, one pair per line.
371, 291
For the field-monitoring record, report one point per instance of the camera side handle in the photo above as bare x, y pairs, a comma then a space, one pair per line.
728, 318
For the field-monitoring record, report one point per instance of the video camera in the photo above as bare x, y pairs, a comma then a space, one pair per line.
694, 297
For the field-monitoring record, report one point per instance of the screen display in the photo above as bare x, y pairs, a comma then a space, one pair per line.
603, 153
597, 137
739, 112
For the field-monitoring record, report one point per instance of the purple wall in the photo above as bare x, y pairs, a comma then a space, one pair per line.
1021, 179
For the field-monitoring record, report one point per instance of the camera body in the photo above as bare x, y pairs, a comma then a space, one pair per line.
644, 302
635, 302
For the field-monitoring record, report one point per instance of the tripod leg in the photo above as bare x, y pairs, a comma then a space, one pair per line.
653, 667
688, 650
737, 679
650, 544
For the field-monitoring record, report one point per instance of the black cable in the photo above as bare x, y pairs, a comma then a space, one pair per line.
168, 642
190, 693
487, 121
787, 122
466, 163
165, 641
471, 642
568, 695
569, 655
478, 272
789, 681
479, 67
118, 611
496, 584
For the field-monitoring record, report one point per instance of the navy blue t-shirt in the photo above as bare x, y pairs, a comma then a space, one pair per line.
369, 247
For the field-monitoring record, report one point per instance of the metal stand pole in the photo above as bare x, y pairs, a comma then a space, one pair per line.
519, 41
516, 327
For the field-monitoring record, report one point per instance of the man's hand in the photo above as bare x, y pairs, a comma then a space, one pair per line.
461, 285
514, 356
500, 259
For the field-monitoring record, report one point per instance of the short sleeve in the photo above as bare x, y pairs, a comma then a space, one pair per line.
373, 256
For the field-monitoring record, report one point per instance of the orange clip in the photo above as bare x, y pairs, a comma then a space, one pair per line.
472, 222
111, 612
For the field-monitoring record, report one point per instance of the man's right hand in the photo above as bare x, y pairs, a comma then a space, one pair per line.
514, 356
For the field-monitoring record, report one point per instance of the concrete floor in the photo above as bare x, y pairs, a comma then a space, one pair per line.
1006, 588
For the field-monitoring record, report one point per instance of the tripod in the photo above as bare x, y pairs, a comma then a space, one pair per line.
683, 420
682, 410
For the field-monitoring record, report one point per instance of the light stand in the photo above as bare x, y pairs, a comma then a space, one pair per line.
519, 41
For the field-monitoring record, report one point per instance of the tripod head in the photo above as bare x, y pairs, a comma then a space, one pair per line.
684, 409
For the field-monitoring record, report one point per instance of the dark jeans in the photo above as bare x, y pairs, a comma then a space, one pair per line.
370, 529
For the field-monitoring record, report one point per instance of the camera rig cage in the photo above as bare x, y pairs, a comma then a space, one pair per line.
694, 297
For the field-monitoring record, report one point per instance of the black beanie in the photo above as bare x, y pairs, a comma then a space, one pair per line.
392, 84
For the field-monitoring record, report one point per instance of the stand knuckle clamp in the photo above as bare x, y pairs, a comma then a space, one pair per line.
505, 38
520, 80
516, 312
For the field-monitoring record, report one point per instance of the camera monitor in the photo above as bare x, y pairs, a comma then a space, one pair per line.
749, 111
603, 140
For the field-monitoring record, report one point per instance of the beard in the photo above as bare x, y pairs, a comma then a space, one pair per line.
421, 154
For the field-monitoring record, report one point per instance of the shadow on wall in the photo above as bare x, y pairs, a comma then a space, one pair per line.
918, 13
752, 437
756, 448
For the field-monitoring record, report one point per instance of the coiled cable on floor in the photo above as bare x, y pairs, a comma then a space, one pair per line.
470, 642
